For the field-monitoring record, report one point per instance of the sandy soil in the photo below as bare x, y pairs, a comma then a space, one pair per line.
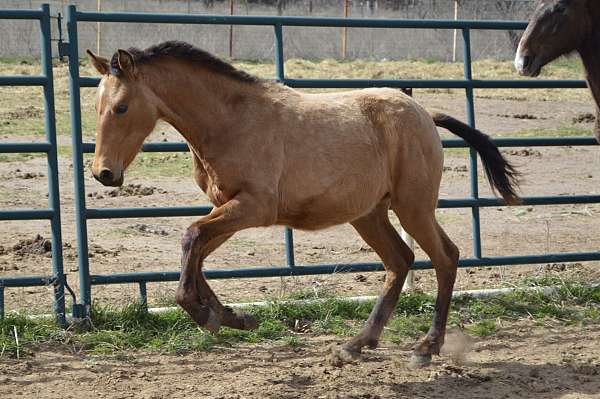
521, 361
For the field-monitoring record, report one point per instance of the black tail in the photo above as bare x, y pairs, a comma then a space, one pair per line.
500, 173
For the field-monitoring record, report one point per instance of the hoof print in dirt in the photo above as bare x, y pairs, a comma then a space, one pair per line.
418, 361
338, 356
449, 371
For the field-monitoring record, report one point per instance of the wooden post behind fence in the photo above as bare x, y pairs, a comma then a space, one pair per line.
455, 31
230, 31
98, 28
345, 31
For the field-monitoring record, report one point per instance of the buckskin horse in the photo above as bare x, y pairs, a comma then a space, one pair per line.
559, 27
266, 154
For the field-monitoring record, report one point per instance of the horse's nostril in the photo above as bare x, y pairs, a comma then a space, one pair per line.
106, 175
526, 61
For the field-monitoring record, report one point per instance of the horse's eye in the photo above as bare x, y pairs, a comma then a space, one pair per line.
121, 109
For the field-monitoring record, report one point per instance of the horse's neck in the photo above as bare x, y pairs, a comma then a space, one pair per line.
199, 107
590, 55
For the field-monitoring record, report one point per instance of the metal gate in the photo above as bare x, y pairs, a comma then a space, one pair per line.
474, 201
52, 213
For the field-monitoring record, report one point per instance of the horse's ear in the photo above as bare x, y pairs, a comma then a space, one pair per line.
126, 62
100, 63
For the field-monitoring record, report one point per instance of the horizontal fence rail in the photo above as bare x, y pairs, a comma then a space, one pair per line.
468, 83
49, 147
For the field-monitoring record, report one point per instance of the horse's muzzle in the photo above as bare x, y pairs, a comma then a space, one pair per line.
527, 65
107, 178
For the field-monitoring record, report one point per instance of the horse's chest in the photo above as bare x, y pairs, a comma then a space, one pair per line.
210, 183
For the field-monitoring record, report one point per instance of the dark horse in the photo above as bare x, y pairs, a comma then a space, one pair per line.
559, 27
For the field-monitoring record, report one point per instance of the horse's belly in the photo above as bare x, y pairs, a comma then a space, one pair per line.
351, 198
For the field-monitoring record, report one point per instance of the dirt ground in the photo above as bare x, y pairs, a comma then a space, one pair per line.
520, 361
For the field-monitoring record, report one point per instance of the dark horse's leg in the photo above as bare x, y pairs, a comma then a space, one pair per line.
378, 232
194, 294
421, 225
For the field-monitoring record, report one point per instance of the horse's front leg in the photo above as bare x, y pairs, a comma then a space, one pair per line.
194, 294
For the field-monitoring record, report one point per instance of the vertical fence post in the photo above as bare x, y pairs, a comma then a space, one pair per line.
468, 73
280, 73
1, 302
52, 157
143, 294
78, 181
279, 61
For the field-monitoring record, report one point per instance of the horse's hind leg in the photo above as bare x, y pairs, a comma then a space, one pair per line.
418, 220
378, 232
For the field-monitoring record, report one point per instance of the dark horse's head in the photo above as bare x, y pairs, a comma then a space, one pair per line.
557, 27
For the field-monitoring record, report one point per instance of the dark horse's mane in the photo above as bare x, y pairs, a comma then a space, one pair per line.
184, 51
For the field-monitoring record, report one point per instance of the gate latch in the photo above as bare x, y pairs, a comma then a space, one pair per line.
63, 49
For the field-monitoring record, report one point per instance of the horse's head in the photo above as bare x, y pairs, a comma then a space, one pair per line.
556, 27
126, 113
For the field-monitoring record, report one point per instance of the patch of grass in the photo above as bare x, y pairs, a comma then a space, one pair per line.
483, 328
293, 341
114, 331
411, 326
157, 164
20, 157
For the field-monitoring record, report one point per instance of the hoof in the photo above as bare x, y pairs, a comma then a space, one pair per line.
249, 322
340, 355
213, 323
418, 360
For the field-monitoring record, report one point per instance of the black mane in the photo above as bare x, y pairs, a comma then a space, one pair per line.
185, 51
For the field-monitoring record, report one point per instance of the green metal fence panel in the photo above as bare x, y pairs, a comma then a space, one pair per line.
474, 201
52, 213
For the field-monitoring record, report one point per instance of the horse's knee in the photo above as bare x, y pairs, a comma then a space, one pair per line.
194, 236
189, 238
